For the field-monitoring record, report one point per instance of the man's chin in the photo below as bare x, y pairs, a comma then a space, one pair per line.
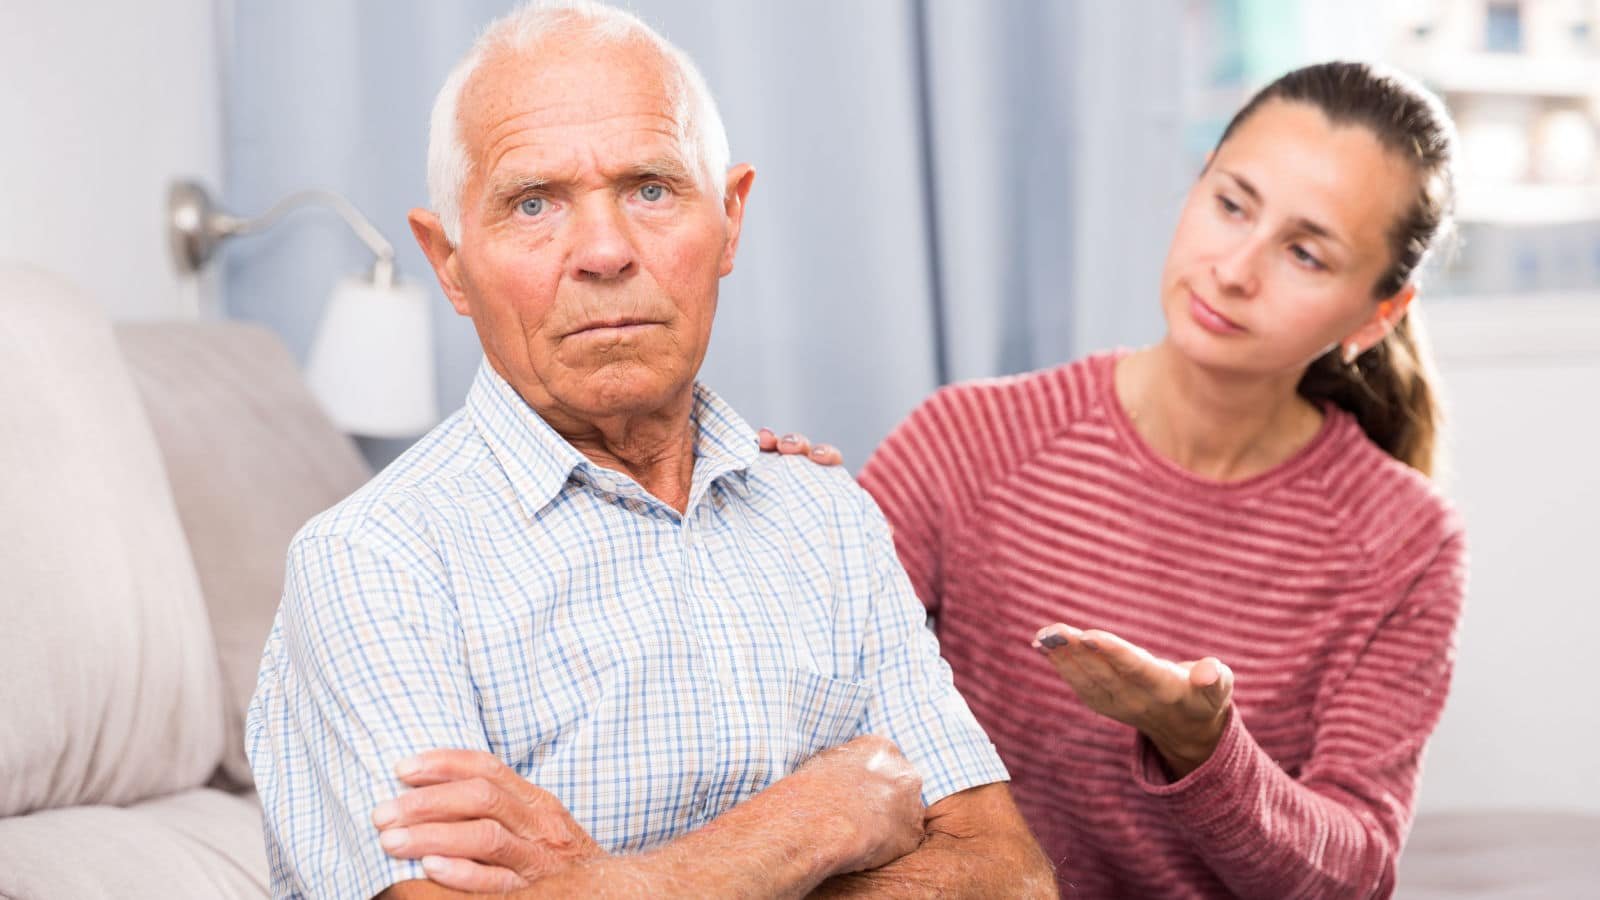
626, 388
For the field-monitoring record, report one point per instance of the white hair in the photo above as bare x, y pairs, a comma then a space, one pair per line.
700, 130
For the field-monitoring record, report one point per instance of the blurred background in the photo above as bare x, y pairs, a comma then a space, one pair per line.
946, 190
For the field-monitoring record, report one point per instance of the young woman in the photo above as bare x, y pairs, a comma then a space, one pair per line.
1238, 518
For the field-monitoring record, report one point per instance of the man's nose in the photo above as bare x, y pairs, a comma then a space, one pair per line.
1238, 268
602, 247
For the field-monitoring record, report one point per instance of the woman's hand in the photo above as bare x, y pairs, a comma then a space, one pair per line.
1180, 707
477, 825
797, 445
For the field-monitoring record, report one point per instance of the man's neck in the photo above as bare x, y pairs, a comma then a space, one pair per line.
654, 448
1218, 427
656, 451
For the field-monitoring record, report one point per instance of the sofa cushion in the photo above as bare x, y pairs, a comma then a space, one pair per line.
250, 457
198, 843
108, 675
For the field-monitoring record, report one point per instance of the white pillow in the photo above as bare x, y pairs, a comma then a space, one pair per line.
109, 690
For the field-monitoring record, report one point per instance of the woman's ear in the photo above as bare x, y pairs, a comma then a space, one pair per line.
1385, 318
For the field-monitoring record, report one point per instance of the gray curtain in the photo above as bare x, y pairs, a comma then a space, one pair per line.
945, 189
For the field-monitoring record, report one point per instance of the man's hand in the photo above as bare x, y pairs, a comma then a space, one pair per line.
1180, 707
478, 826
855, 807
797, 445
877, 795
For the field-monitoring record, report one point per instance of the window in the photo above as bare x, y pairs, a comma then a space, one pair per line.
1502, 31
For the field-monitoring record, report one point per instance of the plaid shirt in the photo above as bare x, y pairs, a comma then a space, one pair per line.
493, 589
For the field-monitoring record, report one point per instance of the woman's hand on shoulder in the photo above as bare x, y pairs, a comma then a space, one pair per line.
1180, 706
798, 445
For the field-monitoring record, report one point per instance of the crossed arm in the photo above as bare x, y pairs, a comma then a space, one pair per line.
975, 844
848, 823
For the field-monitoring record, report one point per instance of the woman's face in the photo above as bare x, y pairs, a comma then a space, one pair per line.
1281, 241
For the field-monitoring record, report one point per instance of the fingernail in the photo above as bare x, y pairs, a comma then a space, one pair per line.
408, 767
820, 450
393, 840
1089, 642
435, 865
385, 813
1053, 640
790, 439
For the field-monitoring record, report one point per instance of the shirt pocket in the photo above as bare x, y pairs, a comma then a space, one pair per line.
823, 712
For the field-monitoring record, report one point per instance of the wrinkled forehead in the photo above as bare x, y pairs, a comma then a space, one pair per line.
579, 91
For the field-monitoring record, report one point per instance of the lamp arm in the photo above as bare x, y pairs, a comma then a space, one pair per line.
382, 269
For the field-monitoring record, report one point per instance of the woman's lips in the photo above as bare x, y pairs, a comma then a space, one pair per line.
1210, 319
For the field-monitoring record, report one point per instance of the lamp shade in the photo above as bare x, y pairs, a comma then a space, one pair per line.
371, 363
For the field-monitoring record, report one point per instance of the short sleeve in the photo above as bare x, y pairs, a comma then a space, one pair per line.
913, 698
364, 667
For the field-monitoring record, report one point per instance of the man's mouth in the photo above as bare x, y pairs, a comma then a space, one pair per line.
615, 327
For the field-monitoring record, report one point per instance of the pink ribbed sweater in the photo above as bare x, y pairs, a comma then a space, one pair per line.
1332, 585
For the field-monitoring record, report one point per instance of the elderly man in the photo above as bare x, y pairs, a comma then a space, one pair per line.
612, 650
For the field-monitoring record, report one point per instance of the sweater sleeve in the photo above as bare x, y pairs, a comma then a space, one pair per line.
1336, 830
909, 476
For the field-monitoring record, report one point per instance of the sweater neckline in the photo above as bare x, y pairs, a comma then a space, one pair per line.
1316, 452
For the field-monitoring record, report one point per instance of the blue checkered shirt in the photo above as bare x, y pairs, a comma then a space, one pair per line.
493, 589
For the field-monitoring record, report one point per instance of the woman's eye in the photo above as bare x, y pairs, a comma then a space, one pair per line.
531, 206
1228, 206
651, 193
1304, 258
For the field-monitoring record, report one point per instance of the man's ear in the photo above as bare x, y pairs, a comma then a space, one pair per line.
441, 254
740, 178
1385, 318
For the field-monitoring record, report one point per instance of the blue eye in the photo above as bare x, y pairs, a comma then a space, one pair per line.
650, 193
532, 206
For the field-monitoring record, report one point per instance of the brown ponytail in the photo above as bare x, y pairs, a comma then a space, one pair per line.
1390, 391
1390, 388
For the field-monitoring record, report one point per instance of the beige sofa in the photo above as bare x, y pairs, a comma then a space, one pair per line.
151, 476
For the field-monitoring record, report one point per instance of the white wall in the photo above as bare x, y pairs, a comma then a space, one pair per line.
102, 104
1522, 723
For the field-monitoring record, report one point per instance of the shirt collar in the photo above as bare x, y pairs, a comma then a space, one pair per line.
725, 446
539, 462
